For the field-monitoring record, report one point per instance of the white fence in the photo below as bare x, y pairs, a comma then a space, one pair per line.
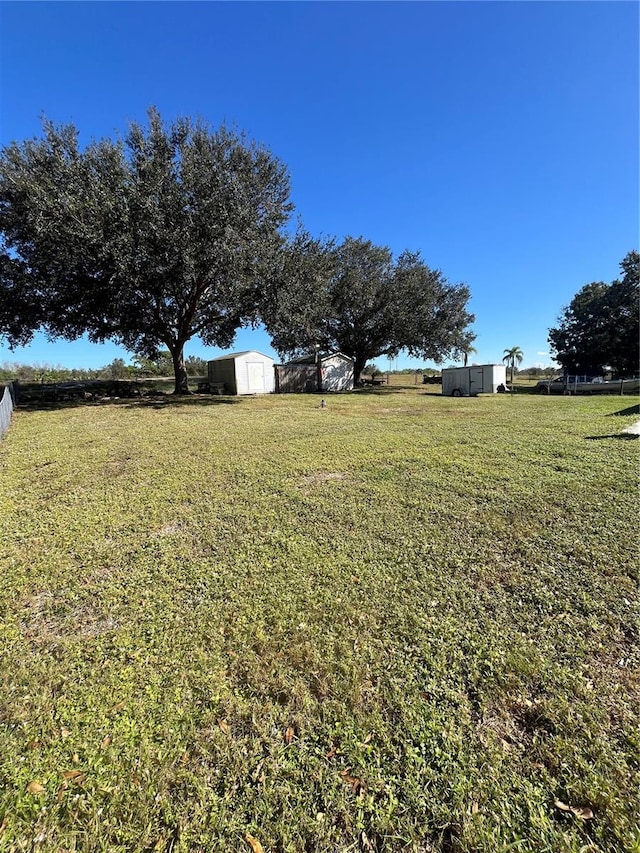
6, 408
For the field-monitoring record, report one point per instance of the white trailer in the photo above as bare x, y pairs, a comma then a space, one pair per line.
474, 380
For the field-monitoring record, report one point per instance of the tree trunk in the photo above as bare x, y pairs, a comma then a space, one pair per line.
358, 367
179, 370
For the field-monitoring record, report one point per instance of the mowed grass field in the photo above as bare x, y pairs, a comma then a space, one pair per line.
401, 622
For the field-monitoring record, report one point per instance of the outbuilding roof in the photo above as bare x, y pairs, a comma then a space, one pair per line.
311, 358
237, 354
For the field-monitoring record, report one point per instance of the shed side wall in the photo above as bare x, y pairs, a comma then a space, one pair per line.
296, 378
223, 370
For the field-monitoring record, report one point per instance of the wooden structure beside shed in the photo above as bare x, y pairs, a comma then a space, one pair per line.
330, 372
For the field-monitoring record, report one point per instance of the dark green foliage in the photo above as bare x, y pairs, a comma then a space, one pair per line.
61, 221
160, 365
147, 242
430, 314
359, 322
196, 366
297, 302
536, 372
599, 328
354, 298
117, 370
19, 314
623, 308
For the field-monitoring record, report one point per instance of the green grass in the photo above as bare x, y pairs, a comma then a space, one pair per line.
401, 622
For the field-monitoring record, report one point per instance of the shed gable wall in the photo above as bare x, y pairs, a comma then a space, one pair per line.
337, 373
254, 374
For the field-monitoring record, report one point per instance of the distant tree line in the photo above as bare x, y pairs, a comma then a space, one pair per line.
536, 372
182, 231
141, 368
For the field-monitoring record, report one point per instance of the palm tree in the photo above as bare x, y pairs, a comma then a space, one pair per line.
466, 352
510, 357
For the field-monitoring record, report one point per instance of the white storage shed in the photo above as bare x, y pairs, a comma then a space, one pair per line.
336, 371
473, 380
247, 372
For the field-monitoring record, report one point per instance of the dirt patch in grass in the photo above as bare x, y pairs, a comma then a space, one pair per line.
513, 723
46, 620
321, 477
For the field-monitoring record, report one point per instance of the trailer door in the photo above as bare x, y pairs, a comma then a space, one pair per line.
476, 385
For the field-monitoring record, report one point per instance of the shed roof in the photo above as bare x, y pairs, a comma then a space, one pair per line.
311, 358
237, 354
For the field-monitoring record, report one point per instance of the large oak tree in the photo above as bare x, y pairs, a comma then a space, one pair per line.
149, 242
355, 298
599, 328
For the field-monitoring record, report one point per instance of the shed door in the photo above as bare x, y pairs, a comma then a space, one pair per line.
255, 375
475, 380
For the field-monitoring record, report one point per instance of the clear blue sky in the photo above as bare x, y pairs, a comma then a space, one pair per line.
499, 139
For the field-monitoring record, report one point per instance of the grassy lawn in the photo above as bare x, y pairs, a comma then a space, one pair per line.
401, 622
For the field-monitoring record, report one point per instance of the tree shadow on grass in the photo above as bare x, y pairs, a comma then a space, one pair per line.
625, 436
191, 401
383, 390
525, 389
630, 410
155, 402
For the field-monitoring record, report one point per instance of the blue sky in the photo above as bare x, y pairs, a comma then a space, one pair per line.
499, 139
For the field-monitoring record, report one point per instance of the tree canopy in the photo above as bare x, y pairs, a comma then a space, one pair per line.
148, 242
355, 298
599, 328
